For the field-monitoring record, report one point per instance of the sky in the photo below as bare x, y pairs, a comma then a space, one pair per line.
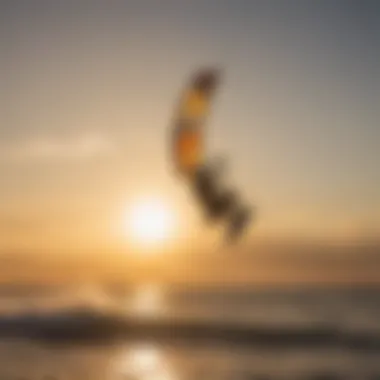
87, 94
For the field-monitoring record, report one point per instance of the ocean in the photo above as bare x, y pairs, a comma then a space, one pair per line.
189, 333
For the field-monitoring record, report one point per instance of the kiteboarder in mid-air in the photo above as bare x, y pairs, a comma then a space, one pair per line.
217, 202
220, 202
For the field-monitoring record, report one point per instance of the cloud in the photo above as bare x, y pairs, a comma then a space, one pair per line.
83, 146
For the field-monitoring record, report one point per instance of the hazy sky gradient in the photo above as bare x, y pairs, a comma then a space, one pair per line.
88, 89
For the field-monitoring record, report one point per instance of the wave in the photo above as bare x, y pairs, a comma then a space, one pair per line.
86, 325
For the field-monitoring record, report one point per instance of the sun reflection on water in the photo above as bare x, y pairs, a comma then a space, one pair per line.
144, 362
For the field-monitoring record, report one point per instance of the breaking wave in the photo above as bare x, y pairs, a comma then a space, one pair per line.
81, 325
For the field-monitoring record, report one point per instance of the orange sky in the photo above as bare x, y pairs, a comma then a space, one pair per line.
88, 95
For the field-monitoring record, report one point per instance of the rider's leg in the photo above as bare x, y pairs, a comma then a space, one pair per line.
205, 187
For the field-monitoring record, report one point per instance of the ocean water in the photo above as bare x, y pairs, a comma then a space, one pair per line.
152, 332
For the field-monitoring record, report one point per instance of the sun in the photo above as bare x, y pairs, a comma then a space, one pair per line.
150, 222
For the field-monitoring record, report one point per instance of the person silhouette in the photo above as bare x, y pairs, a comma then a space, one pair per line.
218, 202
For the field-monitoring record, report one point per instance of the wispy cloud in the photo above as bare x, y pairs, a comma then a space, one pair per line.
84, 146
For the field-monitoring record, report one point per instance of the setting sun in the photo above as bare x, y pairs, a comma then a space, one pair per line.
149, 222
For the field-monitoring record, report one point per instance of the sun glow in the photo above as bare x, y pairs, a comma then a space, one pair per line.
150, 222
